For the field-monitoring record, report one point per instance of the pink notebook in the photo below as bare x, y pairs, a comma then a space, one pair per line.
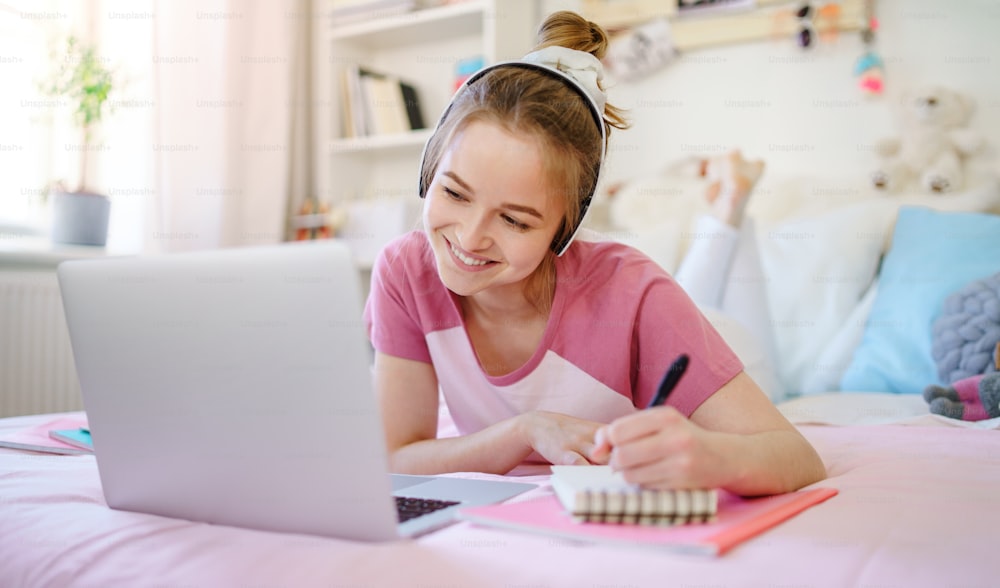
738, 519
37, 438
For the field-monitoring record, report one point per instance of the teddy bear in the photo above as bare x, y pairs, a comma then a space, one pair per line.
933, 142
975, 398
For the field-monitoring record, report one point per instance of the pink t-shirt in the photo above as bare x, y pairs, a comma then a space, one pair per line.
617, 322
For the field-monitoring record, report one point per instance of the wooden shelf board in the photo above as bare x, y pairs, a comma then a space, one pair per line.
419, 26
771, 19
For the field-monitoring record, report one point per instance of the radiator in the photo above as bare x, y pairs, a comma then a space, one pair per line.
37, 374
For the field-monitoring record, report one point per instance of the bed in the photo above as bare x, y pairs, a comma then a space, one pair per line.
916, 507
917, 492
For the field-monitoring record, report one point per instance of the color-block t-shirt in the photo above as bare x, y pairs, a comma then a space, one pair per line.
617, 322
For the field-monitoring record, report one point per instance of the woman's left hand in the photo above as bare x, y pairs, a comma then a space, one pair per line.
660, 448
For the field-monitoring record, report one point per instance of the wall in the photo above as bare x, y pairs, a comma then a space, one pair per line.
800, 110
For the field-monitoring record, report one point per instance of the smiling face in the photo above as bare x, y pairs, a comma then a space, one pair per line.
489, 212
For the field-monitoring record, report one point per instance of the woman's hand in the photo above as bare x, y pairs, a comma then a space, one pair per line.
560, 439
736, 440
408, 394
659, 448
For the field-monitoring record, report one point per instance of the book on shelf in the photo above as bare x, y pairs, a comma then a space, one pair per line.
350, 100
411, 101
736, 520
464, 68
383, 100
376, 103
38, 438
598, 494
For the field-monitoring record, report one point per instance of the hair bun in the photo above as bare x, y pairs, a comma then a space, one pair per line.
600, 39
569, 29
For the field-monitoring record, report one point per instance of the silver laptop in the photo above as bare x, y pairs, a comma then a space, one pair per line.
234, 386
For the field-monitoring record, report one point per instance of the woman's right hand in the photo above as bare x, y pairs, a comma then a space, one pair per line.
560, 439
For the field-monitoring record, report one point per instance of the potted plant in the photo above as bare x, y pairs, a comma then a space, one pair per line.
80, 216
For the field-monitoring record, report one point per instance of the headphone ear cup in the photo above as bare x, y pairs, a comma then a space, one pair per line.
559, 247
421, 186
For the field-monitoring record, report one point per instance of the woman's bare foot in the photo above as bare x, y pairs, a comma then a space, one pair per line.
731, 181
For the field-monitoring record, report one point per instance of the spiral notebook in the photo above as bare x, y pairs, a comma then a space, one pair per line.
597, 494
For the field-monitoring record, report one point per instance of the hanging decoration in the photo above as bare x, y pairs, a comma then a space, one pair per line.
822, 21
641, 50
869, 66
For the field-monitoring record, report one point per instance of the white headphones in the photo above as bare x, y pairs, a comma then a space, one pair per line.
583, 73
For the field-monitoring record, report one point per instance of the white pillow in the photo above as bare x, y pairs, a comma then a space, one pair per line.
838, 353
817, 269
751, 351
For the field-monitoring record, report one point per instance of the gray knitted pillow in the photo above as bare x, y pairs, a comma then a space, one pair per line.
965, 336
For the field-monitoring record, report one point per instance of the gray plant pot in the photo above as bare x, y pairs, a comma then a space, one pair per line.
80, 218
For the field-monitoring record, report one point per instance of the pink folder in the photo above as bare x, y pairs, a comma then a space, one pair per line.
738, 519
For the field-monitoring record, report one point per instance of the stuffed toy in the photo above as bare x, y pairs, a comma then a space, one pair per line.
966, 348
932, 145
965, 336
970, 399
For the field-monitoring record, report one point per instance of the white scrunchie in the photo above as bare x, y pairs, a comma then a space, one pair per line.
585, 69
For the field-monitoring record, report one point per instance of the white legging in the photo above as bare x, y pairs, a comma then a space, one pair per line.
722, 273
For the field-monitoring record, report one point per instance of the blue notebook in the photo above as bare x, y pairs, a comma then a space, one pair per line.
75, 437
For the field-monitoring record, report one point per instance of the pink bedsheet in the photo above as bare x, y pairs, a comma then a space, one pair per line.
917, 507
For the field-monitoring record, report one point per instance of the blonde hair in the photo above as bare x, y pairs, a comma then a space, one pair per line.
524, 100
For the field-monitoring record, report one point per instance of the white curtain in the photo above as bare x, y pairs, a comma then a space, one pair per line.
228, 78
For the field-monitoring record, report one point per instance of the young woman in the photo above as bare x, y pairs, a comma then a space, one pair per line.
545, 347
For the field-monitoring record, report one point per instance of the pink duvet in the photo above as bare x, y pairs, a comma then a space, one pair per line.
917, 507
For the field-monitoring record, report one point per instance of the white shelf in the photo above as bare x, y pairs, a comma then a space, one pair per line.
381, 143
419, 26
422, 47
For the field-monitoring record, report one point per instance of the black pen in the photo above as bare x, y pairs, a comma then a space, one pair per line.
670, 379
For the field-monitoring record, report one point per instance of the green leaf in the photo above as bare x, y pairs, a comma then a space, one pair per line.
83, 79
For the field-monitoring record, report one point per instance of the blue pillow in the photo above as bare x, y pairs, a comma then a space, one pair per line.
933, 254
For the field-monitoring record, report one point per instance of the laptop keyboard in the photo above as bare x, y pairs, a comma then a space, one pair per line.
411, 508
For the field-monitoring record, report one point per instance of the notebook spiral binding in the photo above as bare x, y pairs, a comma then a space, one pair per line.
646, 507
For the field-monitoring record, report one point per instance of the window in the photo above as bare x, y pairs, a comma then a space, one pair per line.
40, 145
26, 114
